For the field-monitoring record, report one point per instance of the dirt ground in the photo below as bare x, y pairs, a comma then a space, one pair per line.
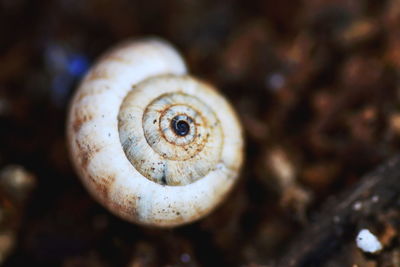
316, 86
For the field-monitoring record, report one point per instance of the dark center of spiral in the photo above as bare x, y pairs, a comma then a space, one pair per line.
180, 125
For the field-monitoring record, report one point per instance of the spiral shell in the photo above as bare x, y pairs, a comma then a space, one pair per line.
152, 144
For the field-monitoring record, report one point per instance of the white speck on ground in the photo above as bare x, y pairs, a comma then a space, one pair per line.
357, 206
368, 242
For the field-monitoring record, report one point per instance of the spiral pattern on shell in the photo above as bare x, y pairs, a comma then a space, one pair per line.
151, 143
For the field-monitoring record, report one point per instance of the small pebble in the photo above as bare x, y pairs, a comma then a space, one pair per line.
368, 242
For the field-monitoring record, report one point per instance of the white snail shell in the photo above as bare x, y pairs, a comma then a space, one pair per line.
152, 144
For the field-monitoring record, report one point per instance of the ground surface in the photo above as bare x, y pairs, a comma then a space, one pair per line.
316, 86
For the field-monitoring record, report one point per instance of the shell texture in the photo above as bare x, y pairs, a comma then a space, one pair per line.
151, 143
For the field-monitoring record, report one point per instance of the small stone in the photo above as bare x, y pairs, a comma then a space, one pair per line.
368, 242
16, 182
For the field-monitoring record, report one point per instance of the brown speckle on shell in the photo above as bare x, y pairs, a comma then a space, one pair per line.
86, 153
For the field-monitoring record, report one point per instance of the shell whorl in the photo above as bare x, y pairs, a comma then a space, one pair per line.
154, 146
151, 143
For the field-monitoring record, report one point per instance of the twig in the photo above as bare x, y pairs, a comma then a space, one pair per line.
375, 194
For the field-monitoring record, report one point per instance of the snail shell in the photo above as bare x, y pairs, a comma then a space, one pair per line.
152, 144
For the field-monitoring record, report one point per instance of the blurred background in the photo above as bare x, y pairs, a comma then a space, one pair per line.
315, 83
